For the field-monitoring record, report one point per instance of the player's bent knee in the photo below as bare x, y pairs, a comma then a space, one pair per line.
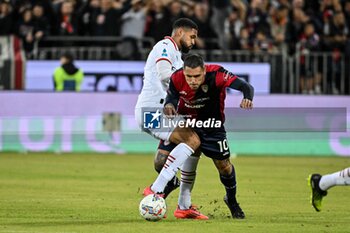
193, 141
224, 167
226, 170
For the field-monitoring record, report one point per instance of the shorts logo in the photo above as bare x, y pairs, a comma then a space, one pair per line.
152, 119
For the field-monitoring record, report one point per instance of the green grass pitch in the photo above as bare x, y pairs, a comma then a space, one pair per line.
66, 193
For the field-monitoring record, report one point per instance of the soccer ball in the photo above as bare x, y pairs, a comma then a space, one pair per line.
152, 207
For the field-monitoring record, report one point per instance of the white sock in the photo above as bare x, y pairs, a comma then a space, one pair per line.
175, 160
188, 176
338, 178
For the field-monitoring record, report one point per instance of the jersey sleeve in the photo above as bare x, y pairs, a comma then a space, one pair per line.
224, 78
244, 87
165, 52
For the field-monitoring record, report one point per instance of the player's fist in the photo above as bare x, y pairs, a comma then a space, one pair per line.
246, 104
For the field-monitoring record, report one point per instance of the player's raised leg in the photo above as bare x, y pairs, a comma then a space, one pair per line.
317, 194
187, 142
339, 178
159, 161
320, 184
160, 158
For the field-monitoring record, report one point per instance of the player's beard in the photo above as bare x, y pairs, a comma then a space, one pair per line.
184, 47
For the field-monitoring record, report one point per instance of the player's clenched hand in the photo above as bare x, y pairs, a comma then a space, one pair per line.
246, 104
169, 110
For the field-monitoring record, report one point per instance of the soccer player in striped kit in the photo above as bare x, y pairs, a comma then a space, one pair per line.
177, 146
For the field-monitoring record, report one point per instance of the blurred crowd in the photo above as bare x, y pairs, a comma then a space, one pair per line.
256, 25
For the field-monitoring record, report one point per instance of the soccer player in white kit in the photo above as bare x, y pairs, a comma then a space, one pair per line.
162, 61
321, 183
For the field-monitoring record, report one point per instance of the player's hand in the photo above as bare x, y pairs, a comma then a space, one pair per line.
246, 104
169, 111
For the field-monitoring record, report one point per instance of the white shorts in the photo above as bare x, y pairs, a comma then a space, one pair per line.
163, 132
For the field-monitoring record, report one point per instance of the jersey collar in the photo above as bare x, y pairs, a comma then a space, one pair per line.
172, 40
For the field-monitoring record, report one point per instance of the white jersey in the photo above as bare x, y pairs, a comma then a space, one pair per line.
154, 89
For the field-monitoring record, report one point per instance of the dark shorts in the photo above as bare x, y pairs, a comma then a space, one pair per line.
165, 145
213, 144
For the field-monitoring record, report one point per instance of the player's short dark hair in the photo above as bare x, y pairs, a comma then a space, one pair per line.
193, 61
185, 23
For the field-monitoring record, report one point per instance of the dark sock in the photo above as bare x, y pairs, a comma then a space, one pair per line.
230, 185
171, 185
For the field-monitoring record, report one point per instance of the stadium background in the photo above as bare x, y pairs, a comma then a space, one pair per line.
268, 43
76, 161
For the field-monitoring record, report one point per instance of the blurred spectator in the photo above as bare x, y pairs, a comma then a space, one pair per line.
221, 10
6, 18
188, 7
337, 33
311, 8
108, 19
50, 15
172, 12
161, 15
67, 77
347, 19
347, 12
154, 16
206, 34
132, 29
298, 4
57, 5
40, 21
328, 9
262, 43
256, 18
134, 21
244, 41
278, 25
295, 27
28, 31
89, 11
309, 77
336, 40
277, 3
234, 23
67, 20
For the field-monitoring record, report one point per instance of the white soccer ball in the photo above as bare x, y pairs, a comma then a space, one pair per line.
152, 207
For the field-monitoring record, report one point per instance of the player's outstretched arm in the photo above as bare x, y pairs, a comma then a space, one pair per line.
247, 90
